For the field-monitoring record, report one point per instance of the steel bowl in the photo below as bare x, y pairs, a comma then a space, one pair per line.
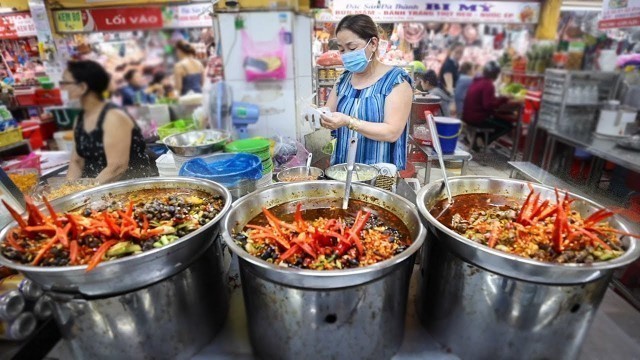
131, 272
512, 265
351, 313
183, 144
330, 173
536, 308
314, 172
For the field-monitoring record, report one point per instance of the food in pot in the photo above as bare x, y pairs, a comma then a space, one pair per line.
359, 174
325, 238
114, 227
299, 177
69, 188
538, 230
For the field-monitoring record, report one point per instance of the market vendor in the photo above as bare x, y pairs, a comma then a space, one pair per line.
481, 103
428, 83
108, 144
370, 99
189, 71
133, 93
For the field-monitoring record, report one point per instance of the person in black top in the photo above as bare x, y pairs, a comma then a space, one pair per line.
449, 71
108, 144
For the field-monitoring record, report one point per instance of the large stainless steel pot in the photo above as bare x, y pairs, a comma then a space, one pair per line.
171, 319
483, 303
355, 313
132, 272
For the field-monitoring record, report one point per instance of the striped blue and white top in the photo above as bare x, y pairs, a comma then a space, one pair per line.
368, 104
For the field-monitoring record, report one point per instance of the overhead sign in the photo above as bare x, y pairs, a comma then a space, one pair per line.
187, 16
17, 25
132, 18
504, 12
619, 14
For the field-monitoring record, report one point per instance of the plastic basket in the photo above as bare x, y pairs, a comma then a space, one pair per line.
10, 136
48, 97
175, 127
31, 161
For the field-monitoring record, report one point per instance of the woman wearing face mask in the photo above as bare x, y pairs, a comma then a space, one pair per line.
370, 99
108, 144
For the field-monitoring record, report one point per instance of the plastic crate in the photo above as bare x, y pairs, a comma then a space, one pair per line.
48, 97
10, 136
33, 133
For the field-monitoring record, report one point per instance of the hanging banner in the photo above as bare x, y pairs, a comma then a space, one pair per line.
187, 16
502, 12
132, 18
17, 25
619, 14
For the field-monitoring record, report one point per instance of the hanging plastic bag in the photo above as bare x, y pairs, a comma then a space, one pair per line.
264, 60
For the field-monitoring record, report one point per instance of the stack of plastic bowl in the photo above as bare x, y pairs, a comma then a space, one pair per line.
239, 173
166, 165
260, 147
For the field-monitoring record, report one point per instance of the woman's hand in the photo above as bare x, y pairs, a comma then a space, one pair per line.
334, 120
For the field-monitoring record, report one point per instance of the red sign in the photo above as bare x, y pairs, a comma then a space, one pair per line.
17, 25
122, 19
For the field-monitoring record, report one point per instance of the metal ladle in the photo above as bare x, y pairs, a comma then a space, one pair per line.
351, 160
309, 163
435, 140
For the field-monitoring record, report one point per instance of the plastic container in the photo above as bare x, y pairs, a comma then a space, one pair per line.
48, 97
258, 146
175, 127
33, 133
64, 140
25, 97
10, 136
226, 169
448, 132
31, 161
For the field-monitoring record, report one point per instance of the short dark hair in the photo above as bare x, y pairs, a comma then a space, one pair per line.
158, 77
361, 25
491, 70
429, 77
130, 74
90, 73
466, 67
185, 47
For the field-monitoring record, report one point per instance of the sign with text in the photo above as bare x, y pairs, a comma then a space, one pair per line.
17, 25
120, 19
133, 18
503, 12
187, 16
619, 14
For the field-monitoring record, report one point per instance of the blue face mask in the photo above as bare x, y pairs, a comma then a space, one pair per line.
356, 61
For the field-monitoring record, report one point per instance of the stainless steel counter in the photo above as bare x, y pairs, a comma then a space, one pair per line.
603, 148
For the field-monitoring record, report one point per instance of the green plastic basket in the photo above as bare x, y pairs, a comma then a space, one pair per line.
257, 146
175, 127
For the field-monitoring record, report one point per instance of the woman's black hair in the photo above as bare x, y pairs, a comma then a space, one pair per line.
185, 47
92, 74
130, 74
361, 25
429, 77
491, 70
158, 77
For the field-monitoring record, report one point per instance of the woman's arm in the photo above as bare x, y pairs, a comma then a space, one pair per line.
76, 164
117, 145
448, 82
177, 79
396, 114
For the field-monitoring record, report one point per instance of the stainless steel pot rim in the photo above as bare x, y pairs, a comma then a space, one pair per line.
242, 253
295, 169
139, 257
631, 254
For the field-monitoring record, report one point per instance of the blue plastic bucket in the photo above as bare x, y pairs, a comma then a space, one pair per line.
448, 132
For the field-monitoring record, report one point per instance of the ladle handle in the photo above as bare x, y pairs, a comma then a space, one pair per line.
351, 160
435, 140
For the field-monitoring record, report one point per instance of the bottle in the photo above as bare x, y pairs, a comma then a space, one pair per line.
18, 329
11, 304
43, 308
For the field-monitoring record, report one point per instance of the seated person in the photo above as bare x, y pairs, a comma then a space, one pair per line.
133, 93
481, 103
428, 83
462, 86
